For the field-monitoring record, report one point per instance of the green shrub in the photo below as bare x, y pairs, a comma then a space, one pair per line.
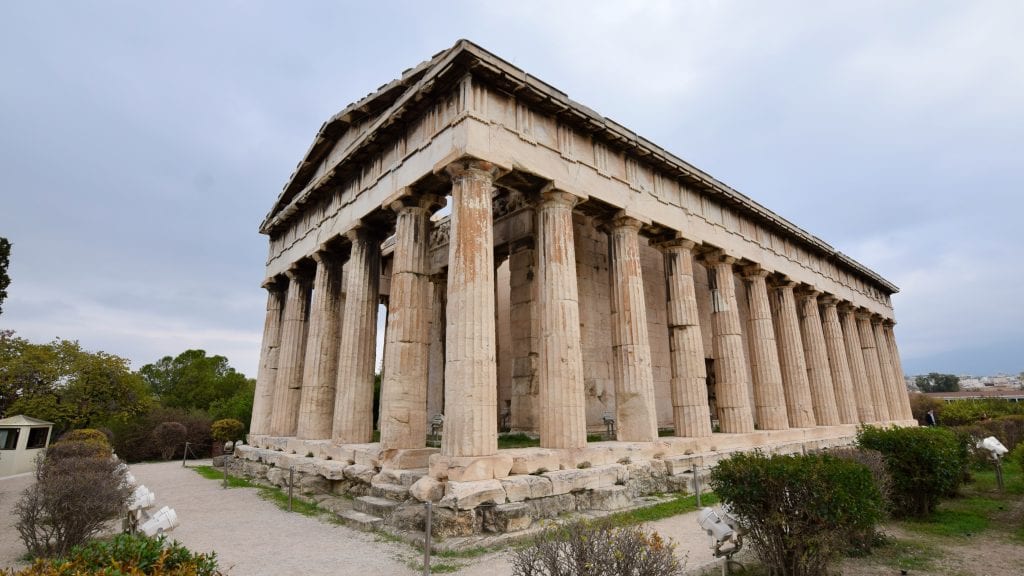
79, 442
127, 555
1007, 429
169, 437
801, 511
960, 412
925, 463
133, 437
1017, 455
227, 430
596, 549
921, 404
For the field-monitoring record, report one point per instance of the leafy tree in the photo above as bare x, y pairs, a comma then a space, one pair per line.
193, 380
65, 384
935, 382
5, 260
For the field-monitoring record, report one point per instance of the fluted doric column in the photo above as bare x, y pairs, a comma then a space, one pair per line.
893, 387
858, 370
294, 329
769, 396
524, 331
471, 395
690, 412
563, 418
636, 419
873, 367
353, 406
835, 345
894, 353
263, 400
791, 357
403, 422
819, 376
320, 370
731, 395
435, 382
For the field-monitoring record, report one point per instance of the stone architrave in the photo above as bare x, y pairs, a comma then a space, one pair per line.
791, 357
819, 375
873, 367
320, 371
263, 399
894, 352
858, 371
769, 396
846, 402
893, 386
690, 411
636, 419
294, 330
733, 400
353, 406
435, 379
471, 395
403, 422
563, 419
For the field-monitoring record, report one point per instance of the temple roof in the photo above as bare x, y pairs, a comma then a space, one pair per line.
404, 96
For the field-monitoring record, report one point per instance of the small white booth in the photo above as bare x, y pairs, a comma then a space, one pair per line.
22, 439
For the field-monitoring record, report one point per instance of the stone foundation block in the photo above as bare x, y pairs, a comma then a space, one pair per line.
331, 469
533, 460
524, 487
366, 454
565, 481
401, 477
314, 484
502, 518
360, 473
607, 498
407, 458
551, 506
336, 453
467, 495
470, 468
449, 522
426, 489
408, 517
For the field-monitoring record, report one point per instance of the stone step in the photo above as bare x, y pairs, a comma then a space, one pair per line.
395, 492
374, 505
361, 521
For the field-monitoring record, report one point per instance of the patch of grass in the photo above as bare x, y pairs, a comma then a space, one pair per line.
984, 480
907, 555
463, 554
596, 438
517, 440
211, 473
272, 494
679, 505
663, 432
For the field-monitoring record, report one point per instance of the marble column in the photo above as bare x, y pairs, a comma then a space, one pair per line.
353, 405
435, 380
819, 375
791, 357
732, 397
263, 400
563, 418
769, 396
294, 329
636, 419
525, 330
894, 353
893, 387
320, 370
471, 412
858, 371
873, 367
835, 345
403, 422
691, 414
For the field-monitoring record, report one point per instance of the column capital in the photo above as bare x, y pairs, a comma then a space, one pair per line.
554, 188
862, 314
845, 307
678, 242
298, 273
828, 300
754, 271
363, 232
888, 322
551, 196
623, 220
808, 292
273, 284
876, 319
716, 256
470, 167
407, 199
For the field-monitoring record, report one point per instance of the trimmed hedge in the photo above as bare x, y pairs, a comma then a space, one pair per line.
925, 464
802, 512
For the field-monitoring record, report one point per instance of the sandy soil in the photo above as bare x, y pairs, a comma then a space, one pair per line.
253, 537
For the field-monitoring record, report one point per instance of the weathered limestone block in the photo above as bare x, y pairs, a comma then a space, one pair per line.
331, 469
551, 506
565, 481
470, 468
467, 495
408, 458
401, 477
426, 489
448, 522
503, 518
360, 473
531, 460
314, 484
606, 498
277, 477
524, 487
408, 517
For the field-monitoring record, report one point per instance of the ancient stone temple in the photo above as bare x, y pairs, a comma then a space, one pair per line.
546, 271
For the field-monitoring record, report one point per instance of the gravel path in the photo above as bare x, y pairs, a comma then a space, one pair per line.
252, 537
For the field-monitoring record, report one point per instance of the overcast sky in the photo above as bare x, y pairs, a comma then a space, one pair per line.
141, 143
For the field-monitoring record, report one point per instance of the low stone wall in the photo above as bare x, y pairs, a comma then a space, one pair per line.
508, 492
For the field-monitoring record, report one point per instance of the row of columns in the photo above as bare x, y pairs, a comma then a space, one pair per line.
815, 361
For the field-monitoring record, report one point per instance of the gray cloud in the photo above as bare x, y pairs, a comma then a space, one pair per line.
143, 143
